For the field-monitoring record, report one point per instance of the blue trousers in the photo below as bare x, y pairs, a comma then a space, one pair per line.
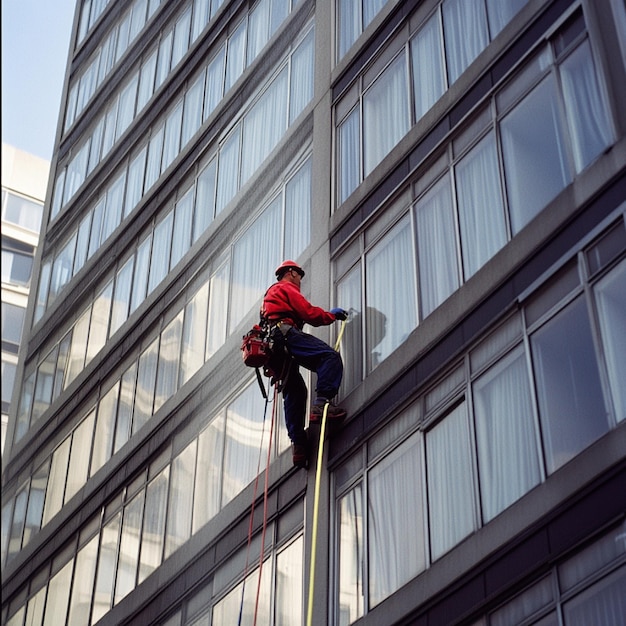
317, 356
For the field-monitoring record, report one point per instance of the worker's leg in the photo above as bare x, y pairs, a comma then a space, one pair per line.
294, 403
317, 356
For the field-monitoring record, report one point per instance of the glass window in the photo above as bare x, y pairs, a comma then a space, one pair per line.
466, 33
349, 155
395, 511
140, 279
105, 428
173, 126
302, 66
429, 71
121, 295
534, 156
126, 111
129, 547
153, 535
16, 267
208, 483
349, 290
107, 560
56, 482
228, 172
182, 30
161, 247
298, 212
436, 246
98, 329
218, 309
147, 75
113, 207
264, 125
23, 212
183, 221
508, 464
82, 242
62, 268
390, 293
80, 453
215, 82
450, 485
255, 256
611, 301
587, 116
146, 380
244, 442
12, 323
35, 609
169, 361
192, 115
26, 404
179, 507
481, 207
17, 523
289, 585
125, 407
164, 58
45, 384
385, 113
205, 199
236, 57
569, 393
82, 587
194, 334
155, 153
8, 380
57, 601
134, 187
78, 349
36, 498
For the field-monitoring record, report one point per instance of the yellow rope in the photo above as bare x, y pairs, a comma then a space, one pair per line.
316, 497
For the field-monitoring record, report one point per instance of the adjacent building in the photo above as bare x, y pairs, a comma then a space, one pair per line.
24, 181
453, 172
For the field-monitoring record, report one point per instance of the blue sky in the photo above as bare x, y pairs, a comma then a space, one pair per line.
35, 46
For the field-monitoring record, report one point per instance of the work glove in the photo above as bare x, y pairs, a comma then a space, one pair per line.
339, 314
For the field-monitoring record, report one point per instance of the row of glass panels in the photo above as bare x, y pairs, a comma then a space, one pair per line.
522, 404
126, 403
237, 157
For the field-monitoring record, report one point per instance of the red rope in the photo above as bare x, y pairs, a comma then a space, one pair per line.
265, 492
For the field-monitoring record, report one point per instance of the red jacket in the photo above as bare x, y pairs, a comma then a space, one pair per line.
283, 301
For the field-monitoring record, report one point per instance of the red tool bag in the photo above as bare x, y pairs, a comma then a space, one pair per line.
255, 347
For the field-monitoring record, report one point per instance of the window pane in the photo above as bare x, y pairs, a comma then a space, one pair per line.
349, 24
169, 359
179, 508
126, 111
244, 435
289, 585
611, 299
98, 329
36, 605
218, 309
236, 57
501, 12
12, 323
8, 380
215, 83
106, 568
171, 145
395, 512
298, 212
79, 347
450, 485
209, 473
228, 173
125, 407
604, 603
153, 534
45, 384
105, 429
351, 555
390, 293
429, 72
146, 80
436, 247
181, 37
58, 596
264, 125
36, 498
194, 334
82, 589
129, 547
349, 291
569, 392
587, 115
146, 379
23, 212
481, 210
79, 456
121, 298
534, 156
302, 70
140, 279
56, 481
160, 258
255, 256
466, 33
508, 463
192, 116
205, 199
258, 29
349, 155
155, 152
134, 188
17, 523
181, 238
385, 113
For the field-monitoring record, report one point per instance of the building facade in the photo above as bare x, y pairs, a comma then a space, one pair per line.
450, 171
24, 182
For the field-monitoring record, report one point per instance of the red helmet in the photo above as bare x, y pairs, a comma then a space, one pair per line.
288, 265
